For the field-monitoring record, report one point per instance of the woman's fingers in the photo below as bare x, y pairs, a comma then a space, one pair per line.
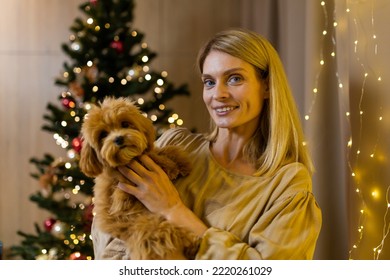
130, 174
130, 189
150, 184
149, 164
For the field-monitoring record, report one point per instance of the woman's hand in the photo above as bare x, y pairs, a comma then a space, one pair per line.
151, 185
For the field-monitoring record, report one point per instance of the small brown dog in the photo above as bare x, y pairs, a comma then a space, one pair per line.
114, 133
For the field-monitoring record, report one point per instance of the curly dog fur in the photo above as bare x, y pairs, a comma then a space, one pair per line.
114, 133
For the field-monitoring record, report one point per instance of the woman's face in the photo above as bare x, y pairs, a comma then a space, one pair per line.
233, 92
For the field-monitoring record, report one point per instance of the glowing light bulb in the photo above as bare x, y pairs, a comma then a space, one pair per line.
145, 58
160, 82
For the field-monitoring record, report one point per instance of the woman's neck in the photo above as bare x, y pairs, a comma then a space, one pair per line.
228, 151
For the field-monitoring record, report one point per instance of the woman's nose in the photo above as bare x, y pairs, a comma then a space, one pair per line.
221, 91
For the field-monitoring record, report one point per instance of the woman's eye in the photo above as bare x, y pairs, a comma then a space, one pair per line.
208, 83
234, 79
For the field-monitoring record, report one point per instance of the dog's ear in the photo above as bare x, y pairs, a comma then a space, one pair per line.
89, 162
149, 132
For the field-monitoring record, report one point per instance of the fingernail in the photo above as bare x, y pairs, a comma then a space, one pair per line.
122, 186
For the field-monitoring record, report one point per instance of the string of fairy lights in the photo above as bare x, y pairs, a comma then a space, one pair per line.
366, 74
353, 146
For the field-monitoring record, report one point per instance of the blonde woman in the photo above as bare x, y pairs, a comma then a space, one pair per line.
249, 195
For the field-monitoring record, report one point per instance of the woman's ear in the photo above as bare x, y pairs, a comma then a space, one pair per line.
89, 162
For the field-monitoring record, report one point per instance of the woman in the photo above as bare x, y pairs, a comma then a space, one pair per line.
249, 195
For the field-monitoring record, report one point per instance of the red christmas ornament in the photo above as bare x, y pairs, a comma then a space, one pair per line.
77, 144
77, 256
93, 2
49, 223
68, 103
117, 45
65, 102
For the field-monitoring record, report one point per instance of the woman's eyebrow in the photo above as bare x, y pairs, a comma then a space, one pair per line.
226, 73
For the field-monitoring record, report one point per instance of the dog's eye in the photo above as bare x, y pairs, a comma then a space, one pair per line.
103, 134
125, 124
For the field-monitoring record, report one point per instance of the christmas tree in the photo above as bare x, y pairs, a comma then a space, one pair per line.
107, 57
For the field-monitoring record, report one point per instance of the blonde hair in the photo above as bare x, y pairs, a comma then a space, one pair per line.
279, 137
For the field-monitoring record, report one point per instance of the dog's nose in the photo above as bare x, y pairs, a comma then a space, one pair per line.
119, 140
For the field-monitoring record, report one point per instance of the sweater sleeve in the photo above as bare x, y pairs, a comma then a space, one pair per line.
106, 247
174, 136
289, 230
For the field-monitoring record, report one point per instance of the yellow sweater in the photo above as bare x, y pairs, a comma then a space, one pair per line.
248, 217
